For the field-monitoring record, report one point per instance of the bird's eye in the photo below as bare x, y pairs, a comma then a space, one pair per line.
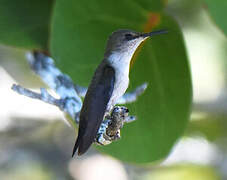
129, 36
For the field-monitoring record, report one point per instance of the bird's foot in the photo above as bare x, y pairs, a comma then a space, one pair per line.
109, 130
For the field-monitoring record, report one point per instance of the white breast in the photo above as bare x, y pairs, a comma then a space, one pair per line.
120, 62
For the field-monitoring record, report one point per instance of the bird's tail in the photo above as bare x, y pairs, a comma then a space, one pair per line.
76, 146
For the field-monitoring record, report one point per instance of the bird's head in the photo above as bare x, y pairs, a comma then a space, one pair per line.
126, 41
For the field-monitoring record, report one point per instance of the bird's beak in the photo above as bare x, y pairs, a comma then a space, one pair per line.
146, 35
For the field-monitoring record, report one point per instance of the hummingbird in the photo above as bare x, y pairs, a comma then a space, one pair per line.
109, 82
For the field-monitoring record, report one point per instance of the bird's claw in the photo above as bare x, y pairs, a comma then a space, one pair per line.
109, 130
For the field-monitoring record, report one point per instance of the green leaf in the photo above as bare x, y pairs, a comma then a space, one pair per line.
79, 34
217, 10
25, 23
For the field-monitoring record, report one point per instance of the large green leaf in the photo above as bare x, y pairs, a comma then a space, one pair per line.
25, 23
217, 9
79, 33
164, 108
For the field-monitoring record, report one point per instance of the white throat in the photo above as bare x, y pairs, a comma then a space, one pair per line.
117, 59
121, 59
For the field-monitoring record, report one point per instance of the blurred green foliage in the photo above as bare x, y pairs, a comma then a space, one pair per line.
217, 11
26, 171
212, 127
25, 23
183, 171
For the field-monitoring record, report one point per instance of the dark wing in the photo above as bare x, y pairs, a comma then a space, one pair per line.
94, 107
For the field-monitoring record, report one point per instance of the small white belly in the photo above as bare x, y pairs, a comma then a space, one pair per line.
120, 62
120, 86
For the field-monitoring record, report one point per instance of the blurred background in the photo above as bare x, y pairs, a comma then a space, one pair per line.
36, 142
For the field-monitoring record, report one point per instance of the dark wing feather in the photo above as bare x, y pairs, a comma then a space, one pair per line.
94, 107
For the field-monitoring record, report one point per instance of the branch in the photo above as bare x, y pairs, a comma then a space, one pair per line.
67, 105
43, 96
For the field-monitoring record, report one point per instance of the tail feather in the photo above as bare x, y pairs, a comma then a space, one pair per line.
76, 146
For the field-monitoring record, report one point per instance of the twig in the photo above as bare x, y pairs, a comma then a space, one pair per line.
43, 96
